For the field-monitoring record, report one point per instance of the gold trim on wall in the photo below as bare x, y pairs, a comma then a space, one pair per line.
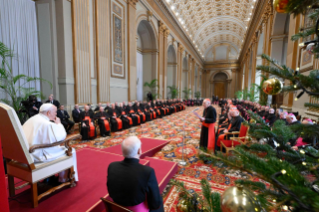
113, 63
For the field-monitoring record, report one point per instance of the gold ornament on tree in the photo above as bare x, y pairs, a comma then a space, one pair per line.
280, 5
237, 198
272, 86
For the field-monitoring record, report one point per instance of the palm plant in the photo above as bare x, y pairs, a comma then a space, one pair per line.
254, 92
173, 90
15, 88
152, 87
239, 94
187, 92
246, 94
197, 94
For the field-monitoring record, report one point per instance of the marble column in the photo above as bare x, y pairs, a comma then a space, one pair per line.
234, 82
161, 65
247, 70
292, 53
189, 82
65, 53
131, 54
193, 78
166, 33
254, 61
180, 69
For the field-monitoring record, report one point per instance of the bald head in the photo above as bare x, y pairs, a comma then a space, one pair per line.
131, 147
49, 110
234, 113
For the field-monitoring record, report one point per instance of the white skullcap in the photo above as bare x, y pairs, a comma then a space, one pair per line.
46, 107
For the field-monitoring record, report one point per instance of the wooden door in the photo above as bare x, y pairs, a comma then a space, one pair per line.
219, 89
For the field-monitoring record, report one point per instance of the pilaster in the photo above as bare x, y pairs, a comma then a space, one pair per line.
131, 54
165, 33
161, 49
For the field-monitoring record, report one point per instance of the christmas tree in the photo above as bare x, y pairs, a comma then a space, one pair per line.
291, 177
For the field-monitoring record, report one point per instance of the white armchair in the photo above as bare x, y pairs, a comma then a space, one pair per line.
20, 163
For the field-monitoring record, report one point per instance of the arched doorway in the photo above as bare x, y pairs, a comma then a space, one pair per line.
146, 57
185, 74
219, 85
171, 68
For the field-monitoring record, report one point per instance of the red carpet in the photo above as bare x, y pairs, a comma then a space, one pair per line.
150, 147
164, 171
92, 167
4, 206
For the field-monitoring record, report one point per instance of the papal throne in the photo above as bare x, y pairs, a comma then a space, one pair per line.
20, 163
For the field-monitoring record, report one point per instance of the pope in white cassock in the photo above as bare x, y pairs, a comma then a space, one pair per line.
46, 128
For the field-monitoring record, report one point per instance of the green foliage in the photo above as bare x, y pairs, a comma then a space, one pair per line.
296, 7
187, 92
17, 88
197, 94
239, 95
210, 202
173, 90
246, 94
152, 86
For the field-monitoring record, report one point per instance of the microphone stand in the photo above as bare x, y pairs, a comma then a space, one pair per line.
183, 162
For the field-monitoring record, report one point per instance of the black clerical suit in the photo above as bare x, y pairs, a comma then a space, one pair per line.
55, 102
76, 114
64, 117
130, 183
33, 111
210, 117
271, 119
103, 129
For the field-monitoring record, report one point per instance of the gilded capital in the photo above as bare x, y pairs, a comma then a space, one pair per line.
166, 33
132, 2
161, 27
149, 15
180, 47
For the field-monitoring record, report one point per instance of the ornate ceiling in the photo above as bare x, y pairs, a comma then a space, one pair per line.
213, 22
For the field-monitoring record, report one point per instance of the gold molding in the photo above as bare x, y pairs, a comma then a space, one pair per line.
221, 65
147, 50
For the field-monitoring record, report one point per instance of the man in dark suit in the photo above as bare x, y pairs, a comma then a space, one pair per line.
34, 105
53, 101
76, 114
129, 183
64, 117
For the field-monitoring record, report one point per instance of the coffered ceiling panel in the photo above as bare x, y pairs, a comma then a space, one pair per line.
212, 22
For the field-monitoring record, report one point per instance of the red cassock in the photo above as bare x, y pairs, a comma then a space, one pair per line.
129, 118
119, 122
140, 112
138, 117
91, 127
107, 125
211, 135
158, 111
222, 137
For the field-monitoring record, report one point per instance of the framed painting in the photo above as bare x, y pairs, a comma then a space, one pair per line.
118, 71
118, 43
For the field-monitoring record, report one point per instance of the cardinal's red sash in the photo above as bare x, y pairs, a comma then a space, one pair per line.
141, 113
107, 125
129, 118
91, 127
119, 122
211, 135
138, 117
222, 137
